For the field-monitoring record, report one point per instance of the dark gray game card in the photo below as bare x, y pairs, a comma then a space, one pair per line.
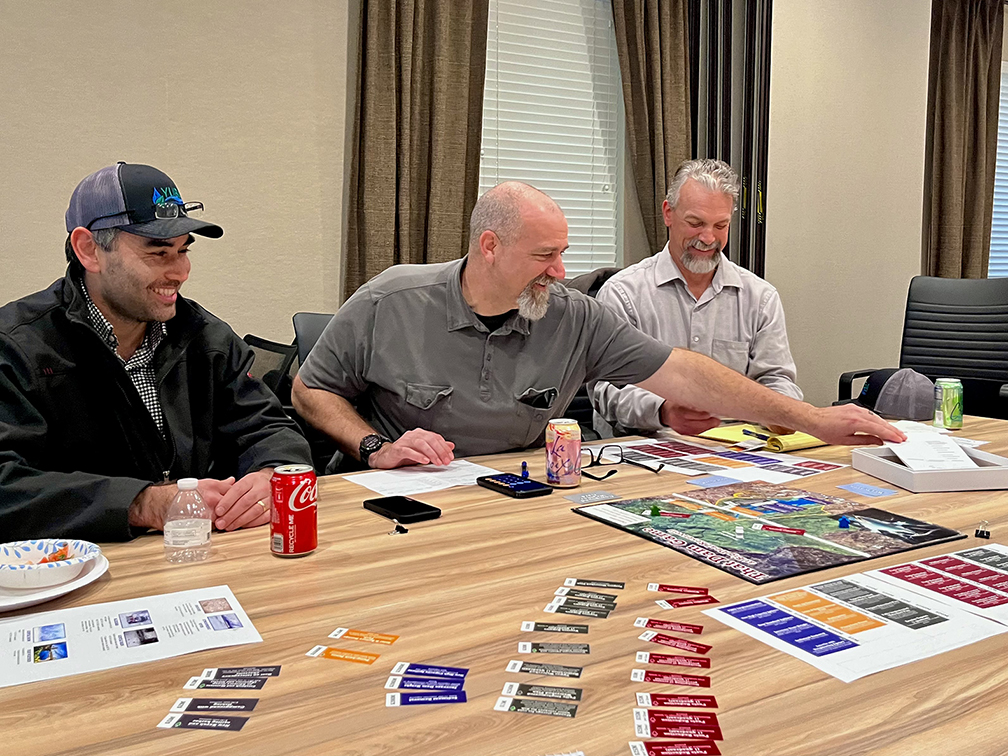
592, 497
531, 706
535, 668
213, 705
541, 691
577, 610
525, 647
582, 583
195, 722
252, 683
225, 673
602, 606
590, 595
553, 627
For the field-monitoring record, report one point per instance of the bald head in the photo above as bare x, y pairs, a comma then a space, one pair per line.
503, 210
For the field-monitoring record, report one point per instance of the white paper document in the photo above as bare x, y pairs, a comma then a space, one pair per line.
418, 479
931, 451
857, 625
974, 580
66, 642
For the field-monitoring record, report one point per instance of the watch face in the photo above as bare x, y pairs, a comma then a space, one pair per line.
371, 443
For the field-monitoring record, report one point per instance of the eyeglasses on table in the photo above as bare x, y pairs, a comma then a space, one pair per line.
598, 461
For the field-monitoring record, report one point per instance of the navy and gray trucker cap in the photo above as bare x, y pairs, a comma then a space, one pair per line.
138, 199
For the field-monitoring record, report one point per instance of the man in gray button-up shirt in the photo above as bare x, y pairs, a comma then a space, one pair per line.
690, 295
476, 356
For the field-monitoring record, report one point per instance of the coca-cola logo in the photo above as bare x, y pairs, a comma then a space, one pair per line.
304, 496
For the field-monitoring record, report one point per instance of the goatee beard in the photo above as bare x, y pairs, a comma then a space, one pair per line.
700, 264
533, 302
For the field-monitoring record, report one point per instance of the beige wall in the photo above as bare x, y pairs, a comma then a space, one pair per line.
848, 98
244, 104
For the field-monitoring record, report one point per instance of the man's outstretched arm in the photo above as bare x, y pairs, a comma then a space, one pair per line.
696, 383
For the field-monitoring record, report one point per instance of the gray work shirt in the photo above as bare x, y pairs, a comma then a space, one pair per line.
738, 321
410, 352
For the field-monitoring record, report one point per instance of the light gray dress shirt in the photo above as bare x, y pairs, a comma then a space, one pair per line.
411, 353
738, 321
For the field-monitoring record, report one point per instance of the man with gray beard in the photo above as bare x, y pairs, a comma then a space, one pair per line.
690, 295
475, 356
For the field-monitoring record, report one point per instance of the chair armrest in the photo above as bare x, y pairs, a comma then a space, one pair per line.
846, 379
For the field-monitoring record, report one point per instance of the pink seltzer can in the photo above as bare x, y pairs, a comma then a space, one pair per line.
563, 453
294, 514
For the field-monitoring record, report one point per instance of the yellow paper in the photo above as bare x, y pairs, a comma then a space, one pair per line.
732, 434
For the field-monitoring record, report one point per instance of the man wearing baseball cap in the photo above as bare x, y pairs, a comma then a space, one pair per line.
113, 386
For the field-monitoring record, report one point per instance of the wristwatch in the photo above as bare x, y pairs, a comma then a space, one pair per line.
370, 444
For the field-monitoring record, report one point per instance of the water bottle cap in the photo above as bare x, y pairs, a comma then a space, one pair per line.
187, 484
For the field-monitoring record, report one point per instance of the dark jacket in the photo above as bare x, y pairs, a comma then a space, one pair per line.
77, 443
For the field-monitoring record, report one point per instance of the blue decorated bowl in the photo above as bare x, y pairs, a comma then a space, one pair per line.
21, 563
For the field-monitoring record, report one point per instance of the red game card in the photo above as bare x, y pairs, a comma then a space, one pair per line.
670, 678
699, 662
681, 643
669, 748
657, 716
648, 730
676, 627
690, 601
672, 699
687, 589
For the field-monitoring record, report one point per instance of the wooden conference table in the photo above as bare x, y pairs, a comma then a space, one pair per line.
456, 591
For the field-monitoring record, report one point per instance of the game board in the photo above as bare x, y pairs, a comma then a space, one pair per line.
762, 532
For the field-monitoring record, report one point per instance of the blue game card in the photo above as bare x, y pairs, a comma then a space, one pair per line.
867, 490
713, 481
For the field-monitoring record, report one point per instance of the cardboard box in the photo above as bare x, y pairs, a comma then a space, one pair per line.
991, 474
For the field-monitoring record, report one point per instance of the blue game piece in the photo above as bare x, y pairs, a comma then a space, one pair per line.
844, 522
524, 469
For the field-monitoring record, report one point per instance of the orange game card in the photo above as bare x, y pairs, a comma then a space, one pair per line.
342, 654
364, 636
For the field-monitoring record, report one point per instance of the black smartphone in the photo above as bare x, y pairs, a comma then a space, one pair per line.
402, 508
514, 485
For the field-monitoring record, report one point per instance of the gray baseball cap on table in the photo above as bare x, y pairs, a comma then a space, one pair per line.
902, 393
138, 199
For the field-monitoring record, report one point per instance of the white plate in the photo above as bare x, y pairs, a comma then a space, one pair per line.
11, 598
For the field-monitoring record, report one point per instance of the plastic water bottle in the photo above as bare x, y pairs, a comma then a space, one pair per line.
187, 525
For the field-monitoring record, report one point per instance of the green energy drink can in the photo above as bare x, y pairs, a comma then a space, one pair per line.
948, 412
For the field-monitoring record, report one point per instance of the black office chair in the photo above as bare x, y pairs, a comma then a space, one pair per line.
580, 408
308, 326
273, 365
956, 328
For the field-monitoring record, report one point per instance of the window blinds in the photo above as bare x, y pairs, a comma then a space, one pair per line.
552, 116
998, 265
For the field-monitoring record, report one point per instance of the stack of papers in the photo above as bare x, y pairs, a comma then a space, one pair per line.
929, 449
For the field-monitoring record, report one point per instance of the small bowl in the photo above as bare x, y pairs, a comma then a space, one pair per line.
20, 568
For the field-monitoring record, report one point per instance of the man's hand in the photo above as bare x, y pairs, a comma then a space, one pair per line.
851, 425
686, 421
415, 447
148, 509
212, 490
246, 503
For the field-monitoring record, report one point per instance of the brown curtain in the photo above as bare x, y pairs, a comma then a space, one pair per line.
415, 165
652, 41
964, 84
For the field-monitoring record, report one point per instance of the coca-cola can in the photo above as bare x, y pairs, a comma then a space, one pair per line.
294, 514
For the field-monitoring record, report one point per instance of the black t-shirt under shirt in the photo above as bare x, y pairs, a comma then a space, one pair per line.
493, 322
